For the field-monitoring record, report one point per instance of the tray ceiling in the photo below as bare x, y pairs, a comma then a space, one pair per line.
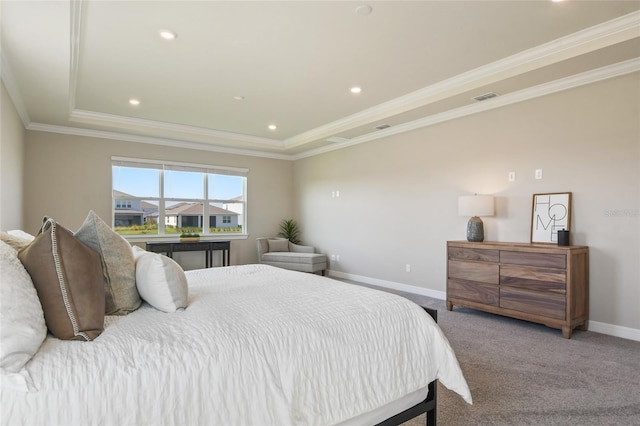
237, 67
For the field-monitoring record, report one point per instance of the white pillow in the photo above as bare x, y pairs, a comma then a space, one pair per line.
160, 280
22, 326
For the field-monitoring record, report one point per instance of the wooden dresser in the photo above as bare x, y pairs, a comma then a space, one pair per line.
542, 283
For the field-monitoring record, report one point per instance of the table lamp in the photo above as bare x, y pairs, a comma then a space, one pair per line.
475, 206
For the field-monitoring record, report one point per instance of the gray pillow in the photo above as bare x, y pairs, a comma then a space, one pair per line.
118, 265
278, 245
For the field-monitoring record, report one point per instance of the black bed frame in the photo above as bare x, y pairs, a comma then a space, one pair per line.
428, 406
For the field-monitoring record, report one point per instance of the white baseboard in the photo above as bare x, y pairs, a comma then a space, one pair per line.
595, 326
615, 330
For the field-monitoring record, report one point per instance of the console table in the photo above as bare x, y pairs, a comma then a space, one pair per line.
207, 246
542, 283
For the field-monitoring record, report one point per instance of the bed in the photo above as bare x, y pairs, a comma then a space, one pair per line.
255, 345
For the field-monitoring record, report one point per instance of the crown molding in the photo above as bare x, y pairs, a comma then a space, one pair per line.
98, 118
582, 79
127, 137
585, 78
590, 39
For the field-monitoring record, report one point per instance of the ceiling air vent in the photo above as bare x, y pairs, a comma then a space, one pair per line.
382, 126
485, 96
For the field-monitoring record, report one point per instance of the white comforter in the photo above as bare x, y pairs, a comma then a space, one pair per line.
257, 345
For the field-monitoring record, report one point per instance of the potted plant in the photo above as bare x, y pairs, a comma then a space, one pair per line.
189, 236
289, 230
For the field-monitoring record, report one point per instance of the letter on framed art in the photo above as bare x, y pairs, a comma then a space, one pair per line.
549, 214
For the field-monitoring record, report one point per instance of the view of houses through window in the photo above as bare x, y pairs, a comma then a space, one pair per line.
164, 198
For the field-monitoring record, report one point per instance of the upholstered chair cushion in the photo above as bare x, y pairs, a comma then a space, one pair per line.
278, 245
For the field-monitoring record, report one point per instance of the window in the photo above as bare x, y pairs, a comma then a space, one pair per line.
165, 198
123, 204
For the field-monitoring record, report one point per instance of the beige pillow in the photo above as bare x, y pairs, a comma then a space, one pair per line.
118, 266
17, 241
68, 278
278, 245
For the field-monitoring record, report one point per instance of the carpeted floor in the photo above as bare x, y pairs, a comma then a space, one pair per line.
522, 373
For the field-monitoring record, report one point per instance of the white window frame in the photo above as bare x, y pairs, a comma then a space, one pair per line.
123, 204
207, 170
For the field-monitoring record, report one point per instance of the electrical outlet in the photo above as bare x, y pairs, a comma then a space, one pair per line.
333, 257
337, 258
512, 176
538, 174
407, 267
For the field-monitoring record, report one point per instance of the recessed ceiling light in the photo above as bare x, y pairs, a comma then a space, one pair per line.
134, 102
356, 89
272, 127
239, 98
168, 35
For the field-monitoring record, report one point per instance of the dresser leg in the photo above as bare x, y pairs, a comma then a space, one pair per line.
449, 306
566, 332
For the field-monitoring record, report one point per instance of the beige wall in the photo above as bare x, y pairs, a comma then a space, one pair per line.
66, 176
11, 161
398, 195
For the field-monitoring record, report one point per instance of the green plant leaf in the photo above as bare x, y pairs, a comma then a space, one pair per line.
289, 230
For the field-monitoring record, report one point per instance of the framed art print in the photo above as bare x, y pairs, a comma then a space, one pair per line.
549, 214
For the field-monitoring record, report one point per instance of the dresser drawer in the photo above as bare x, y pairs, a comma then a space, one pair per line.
541, 279
472, 291
475, 271
545, 260
542, 304
483, 255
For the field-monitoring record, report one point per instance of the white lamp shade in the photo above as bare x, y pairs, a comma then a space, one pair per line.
475, 205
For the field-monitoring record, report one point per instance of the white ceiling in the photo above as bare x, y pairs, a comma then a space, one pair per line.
71, 67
